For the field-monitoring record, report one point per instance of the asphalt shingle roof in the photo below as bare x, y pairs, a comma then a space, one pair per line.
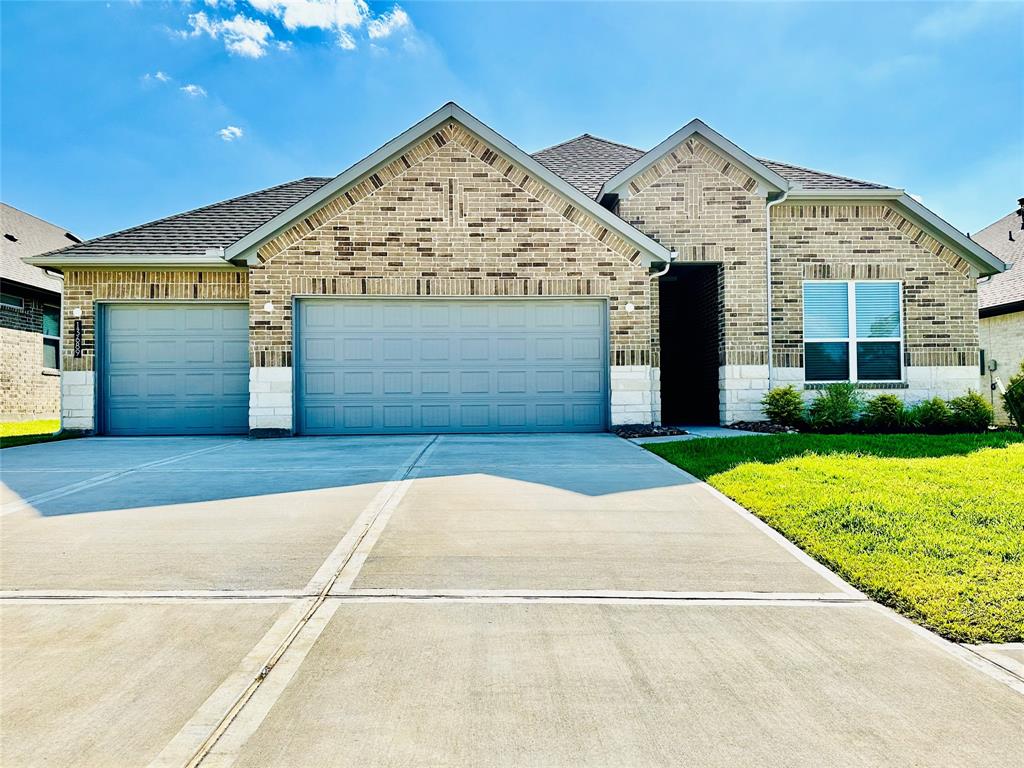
1006, 287
27, 235
587, 161
191, 233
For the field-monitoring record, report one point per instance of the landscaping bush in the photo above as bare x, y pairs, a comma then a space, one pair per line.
1013, 398
885, 413
971, 412
784, 406
932, 416
836, 408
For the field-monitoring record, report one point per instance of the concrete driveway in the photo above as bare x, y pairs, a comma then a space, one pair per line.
459, 600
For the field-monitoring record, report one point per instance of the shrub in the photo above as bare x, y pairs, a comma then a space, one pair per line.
932, 416
885, 413
1013, 398
784, 406
835, 409
971, 412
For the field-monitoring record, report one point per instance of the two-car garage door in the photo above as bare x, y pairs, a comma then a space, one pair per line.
450, 365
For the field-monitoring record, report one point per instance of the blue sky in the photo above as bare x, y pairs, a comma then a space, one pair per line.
101, 129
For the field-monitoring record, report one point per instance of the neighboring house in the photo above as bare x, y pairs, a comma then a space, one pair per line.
1001, 306
29, 318
452, 282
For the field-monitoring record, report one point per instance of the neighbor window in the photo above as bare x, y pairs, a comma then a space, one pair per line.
853, 331
51, 337
10, 300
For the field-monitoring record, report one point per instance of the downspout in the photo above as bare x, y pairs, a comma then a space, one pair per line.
672, 256
768, 275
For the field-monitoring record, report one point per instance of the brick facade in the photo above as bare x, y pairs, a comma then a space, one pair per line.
453, 218
847, 241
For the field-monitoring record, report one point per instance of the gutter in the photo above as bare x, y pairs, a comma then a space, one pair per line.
768, 274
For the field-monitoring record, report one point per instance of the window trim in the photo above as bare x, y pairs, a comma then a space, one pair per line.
57, 339
852, 339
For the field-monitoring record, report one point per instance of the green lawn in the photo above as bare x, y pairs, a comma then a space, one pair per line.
14, 433
931, 525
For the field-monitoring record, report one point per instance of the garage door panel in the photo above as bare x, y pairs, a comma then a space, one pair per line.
451, 365
174, 369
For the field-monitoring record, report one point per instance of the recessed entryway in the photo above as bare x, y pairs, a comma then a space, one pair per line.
691, 332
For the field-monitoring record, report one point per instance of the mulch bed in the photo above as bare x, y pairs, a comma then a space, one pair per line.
646, 430
764, 427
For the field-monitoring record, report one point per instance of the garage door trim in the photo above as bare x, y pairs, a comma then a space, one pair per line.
306, 297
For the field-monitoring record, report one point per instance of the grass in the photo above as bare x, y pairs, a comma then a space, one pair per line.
930, 525
14, 433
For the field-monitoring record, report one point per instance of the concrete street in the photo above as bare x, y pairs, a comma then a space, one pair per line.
488, 600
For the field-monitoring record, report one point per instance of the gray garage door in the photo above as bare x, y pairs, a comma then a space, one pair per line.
175, 369
451, 365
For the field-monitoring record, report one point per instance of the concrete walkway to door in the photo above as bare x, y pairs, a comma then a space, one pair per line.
483, 600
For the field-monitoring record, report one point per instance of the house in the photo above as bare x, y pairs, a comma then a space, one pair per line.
1001, 307
29, 318
452, 282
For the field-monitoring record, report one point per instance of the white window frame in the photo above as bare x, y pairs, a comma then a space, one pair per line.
852, 339
53, 338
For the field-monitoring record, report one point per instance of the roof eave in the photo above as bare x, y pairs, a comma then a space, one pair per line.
769, 178
244, 250
69, 262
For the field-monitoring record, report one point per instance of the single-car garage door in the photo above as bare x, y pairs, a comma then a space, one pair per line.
174, 369
451, 365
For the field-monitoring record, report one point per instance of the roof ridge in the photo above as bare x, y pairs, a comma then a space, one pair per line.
823, 173
174, 216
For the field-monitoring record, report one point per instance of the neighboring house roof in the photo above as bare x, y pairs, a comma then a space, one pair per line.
186, 237
28, 235
587, 161
1007, 289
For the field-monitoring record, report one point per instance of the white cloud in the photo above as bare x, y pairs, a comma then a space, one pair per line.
241, 35
193, 90
230, 133
158, 76
958, 19
387, 23
337, 16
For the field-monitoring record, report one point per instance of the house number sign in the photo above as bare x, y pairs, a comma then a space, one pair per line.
78, 338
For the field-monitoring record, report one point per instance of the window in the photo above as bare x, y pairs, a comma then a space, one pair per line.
10, 300
51, 337
853, 331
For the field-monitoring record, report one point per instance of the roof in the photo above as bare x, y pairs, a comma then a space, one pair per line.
1008, 287
587, 161
651, 250
189, 235
27, 235
806, 178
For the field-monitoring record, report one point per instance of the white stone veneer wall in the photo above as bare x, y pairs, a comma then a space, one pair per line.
270, 398
740, 390
636, 394
1002, 338
78, 400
